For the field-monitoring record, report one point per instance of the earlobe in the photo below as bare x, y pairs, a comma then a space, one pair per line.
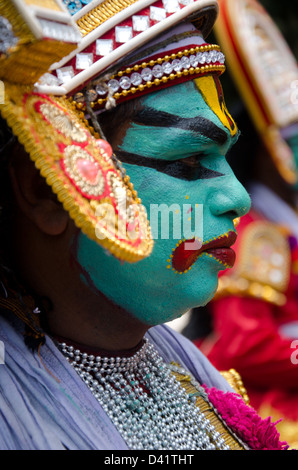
35, 198
50, 217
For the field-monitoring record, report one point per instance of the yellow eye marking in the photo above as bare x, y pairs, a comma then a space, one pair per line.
213, 97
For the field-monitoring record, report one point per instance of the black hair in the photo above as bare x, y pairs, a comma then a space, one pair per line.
114, 118
8, 144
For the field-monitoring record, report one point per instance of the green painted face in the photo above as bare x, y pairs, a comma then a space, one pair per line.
176, 146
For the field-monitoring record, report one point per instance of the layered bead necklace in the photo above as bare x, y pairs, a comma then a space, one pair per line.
144, 400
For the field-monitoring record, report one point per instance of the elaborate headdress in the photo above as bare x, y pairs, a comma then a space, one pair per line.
61, 63
266, 74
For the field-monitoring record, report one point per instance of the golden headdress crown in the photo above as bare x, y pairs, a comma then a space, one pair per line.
57, 67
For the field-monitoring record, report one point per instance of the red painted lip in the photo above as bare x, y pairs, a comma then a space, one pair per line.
187, 252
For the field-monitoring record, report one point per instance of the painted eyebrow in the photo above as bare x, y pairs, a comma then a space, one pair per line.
203, 126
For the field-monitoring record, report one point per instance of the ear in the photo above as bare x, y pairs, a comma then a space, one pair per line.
35, 198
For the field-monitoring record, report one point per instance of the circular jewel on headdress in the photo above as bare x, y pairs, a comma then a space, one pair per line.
84, 171
80, 169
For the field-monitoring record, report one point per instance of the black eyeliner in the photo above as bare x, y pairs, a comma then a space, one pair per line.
175, 168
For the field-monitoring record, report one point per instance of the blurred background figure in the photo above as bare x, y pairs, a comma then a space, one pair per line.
252, 324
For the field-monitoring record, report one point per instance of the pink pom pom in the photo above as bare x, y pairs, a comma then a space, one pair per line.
257, 433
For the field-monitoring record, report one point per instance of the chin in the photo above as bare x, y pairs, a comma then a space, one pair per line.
202, 298
170, 313
210, 297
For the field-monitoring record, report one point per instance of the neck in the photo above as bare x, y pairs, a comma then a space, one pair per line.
95, 322
95, 351
78, 312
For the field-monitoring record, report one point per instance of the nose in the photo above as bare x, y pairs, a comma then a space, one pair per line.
231, 198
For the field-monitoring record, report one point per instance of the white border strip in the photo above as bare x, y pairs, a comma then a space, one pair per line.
125, 49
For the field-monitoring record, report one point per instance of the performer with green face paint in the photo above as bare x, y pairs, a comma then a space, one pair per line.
120, 110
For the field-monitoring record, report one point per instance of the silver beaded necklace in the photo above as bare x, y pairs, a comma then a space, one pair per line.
144, 400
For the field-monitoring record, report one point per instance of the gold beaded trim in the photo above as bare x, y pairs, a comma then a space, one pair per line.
159, 81
160, 60
235, 380
102, 13
208, 411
